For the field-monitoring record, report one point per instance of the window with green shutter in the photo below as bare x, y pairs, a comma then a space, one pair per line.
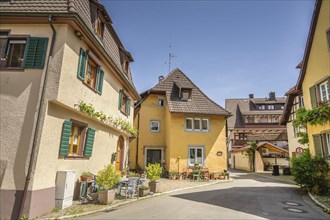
100, 77
65, 139
35, 53
317, 140
128, 107
313, 95
120, 101
88, 149
82, 64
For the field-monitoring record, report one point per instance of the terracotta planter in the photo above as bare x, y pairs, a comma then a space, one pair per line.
106, 196
154, 187
172, 177
86, 179
179, 177
144, 192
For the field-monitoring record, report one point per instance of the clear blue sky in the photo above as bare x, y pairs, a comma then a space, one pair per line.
228, 48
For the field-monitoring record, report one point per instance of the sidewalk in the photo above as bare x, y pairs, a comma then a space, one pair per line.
166, 186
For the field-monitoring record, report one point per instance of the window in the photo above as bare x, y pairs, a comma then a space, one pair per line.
196, 156
242, 136
3, 45
271, 107
15, 55
154, 126
205, 124
282, 107
261, 107
77, 139
99, 27
197, 124
160, 102
91, 73
324, 91
189, 124
322, 145
124, 103
185, 94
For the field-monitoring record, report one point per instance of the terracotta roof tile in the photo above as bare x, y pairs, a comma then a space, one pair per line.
199, 102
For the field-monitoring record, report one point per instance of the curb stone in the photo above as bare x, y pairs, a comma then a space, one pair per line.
135, 200
274, 178
327, 209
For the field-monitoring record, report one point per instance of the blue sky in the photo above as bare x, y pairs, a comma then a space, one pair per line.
228, 48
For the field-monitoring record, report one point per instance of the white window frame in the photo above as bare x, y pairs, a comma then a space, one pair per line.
150, 126
271, 107
207, 122
159, 101
195, 147
192, 124
327, 95
200, 124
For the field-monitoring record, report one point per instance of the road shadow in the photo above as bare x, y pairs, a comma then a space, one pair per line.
265, 202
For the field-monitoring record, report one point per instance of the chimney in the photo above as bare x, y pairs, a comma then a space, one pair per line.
272, 96
160, 78
251, 96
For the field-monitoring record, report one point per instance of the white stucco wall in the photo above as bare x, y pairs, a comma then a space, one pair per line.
19, 94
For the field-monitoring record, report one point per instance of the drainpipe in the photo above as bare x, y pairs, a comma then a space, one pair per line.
137, 141
40, 105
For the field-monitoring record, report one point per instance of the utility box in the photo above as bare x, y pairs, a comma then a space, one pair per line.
64, 188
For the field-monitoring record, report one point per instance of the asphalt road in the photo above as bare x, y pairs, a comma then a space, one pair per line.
247, 197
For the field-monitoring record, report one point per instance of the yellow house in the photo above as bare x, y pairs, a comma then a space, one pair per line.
314, 78
179, 126
53, 55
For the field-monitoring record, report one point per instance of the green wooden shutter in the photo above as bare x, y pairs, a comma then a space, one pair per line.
128, 107
100, 77
82, 64
65, 140
325, 145
329, 87
89, 142
317, 145
120, 99
35, 52
312, 91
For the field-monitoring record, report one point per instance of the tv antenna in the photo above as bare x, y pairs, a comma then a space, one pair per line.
170, 56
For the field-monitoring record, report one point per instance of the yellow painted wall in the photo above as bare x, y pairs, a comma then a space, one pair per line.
318, 66
149, 111
214, 141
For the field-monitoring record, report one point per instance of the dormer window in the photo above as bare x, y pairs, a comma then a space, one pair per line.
185, 94
99, 27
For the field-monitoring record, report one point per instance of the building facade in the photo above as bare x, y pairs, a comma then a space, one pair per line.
179, 126
255, 119
74, 56
314, 78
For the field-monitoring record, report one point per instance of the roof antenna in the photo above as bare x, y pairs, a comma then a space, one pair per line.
170, 56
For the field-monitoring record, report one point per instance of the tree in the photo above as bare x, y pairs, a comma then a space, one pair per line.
251, 153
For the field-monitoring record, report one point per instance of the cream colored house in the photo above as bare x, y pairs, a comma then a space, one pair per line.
53, 56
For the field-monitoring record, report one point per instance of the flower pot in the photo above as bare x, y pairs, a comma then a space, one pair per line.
154, 187
172, 177
106, 196
86, 178
179, 177
144, 192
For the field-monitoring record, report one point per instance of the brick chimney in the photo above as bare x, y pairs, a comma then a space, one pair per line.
160, 78
272, 96
251, 96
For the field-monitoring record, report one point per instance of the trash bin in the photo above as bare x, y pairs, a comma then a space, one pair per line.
276, 170
287, 171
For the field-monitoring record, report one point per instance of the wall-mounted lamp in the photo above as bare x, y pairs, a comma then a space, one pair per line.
79, 35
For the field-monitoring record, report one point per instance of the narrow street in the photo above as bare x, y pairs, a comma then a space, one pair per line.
247, 197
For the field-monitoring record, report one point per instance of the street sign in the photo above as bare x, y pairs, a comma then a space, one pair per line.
299, 150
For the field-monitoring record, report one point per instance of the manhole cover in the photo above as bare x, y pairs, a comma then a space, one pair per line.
292, 203
295, 210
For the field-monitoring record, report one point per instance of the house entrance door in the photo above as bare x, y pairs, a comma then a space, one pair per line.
120, 153
154, 156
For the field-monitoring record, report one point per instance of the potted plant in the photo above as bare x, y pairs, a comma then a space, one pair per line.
179, 176
153, 172
144, 191
172, 175
124, 173
86, 177
106, 180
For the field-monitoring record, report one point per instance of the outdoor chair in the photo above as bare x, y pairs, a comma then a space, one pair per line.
196, 174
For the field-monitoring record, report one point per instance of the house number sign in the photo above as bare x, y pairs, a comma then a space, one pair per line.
219, 153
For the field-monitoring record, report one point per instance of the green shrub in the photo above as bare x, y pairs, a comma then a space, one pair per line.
144, 187
310, 172
86, 174
108, 177
153, 171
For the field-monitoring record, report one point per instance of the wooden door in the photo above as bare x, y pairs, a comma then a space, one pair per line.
120, 153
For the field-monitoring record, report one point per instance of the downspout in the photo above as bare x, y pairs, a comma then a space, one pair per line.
137, 142
33, 150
